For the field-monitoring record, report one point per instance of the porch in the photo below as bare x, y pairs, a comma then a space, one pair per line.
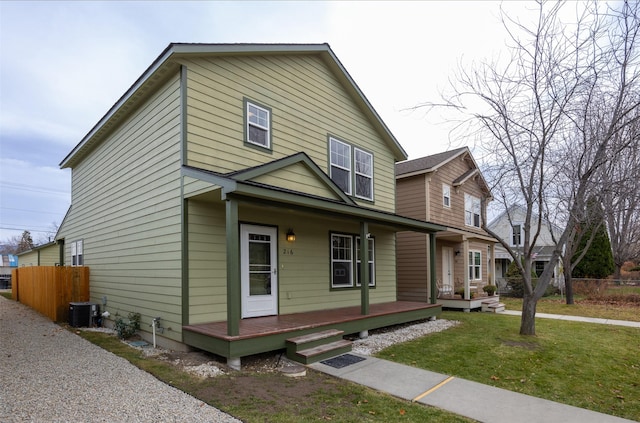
263, 334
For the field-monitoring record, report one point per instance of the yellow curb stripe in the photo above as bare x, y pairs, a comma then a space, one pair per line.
435, 388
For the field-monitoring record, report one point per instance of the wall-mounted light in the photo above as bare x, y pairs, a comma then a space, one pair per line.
457, 252
291, 236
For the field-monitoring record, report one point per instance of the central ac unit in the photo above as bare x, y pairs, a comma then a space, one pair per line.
83, 314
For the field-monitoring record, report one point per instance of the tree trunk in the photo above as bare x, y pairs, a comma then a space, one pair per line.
568, 288
528, 319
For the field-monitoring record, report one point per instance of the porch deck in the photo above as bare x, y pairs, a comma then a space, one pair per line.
262, 334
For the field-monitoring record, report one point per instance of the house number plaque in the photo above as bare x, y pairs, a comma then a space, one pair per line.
287, 251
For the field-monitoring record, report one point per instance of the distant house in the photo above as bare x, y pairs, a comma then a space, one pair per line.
49, 254
509, 226
8, 262
447, 189
244, 194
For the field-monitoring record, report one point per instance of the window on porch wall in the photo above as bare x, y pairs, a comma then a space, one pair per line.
475, 265
343, 250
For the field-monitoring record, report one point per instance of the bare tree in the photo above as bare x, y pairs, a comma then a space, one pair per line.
547, 119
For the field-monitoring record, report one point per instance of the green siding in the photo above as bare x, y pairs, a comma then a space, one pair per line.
126, 209
307, 102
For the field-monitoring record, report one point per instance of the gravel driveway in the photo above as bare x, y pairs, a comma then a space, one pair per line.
48, 374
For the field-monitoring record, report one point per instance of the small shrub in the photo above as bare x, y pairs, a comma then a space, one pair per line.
126, 328
490, 289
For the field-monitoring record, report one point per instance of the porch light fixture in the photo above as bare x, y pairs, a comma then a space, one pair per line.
291, 236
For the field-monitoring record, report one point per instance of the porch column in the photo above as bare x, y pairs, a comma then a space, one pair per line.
432, 268
492, 264
364, 268
233, 268
465, 260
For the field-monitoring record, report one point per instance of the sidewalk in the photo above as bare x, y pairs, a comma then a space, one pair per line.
577, 319
470, 399
476, 401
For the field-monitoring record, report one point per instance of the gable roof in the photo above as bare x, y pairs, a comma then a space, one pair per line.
169, 62
240, 185
428, 164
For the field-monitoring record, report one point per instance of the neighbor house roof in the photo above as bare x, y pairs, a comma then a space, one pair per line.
169, 62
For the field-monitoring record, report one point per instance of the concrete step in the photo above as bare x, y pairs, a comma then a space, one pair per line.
493, 307
321, 352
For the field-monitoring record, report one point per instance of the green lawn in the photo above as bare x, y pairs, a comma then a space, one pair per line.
586, 365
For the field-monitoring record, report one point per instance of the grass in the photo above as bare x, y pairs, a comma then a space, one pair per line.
7, 295
586, 365
276, 398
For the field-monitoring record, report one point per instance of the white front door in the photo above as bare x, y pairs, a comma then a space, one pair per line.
447, 269
259, 265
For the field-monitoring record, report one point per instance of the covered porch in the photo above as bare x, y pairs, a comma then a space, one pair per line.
269, 333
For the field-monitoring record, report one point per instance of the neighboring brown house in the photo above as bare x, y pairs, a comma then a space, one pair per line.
446, 189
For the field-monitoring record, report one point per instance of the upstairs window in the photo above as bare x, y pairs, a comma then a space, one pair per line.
471, 210
516, 235
446, 195
77, 256
340, 171
257, 125
364, 174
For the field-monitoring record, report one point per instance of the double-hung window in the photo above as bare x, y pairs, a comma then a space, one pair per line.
370, 262
475, 265
446, 195
340, 172
344, 248
343, 159
257, 125
471, 210
364, 174
341, 261
77, 255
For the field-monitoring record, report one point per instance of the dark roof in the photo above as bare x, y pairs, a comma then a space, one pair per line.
427, 163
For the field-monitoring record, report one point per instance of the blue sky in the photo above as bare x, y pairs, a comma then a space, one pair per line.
64, 64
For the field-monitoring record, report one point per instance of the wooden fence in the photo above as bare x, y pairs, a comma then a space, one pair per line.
50, 289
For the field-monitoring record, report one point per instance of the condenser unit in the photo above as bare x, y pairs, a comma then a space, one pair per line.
84, 314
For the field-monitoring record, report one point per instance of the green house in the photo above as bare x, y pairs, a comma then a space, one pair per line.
228, 193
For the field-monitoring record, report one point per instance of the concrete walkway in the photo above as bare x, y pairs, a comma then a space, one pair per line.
577, 319
470, 399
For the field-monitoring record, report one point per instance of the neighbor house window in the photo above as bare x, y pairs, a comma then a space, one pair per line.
258, 125
77, 256
516, 235
446, 195
475, 265
343, 250
471, 210
364, 174
371, 262
341, 261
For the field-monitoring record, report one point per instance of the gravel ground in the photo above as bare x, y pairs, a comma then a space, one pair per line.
48, 374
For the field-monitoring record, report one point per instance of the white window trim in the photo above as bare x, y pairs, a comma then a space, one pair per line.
446, 195
332, 164
257, 125
333, 260
77, 253
355, 170
473, 265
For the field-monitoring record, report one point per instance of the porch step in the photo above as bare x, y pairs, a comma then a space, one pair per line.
492, 306
322, 352
317, 346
